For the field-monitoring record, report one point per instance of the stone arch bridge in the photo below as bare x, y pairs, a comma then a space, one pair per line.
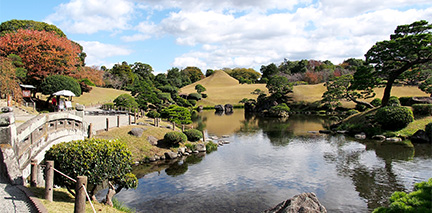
20, 144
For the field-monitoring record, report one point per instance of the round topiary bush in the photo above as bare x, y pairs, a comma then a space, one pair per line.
193, 135
174, 138
125, 100
394, 117
54, 83
194, 96
394, 101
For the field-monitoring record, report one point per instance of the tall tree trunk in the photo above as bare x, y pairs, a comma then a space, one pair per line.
387, 91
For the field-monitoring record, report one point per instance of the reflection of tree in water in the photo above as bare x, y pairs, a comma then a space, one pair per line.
177, 168
374, 184
200, 120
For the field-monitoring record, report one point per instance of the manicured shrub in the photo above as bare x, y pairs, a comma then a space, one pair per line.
125, 100
191, 146
98, 159
394, 117
204, 95
281, 107
153, 114
193, 135
84, 87
376, 102
194, 96
405, 101
177, 114
394, 101
193, 102
422, 109
174, 138
420, 200
54, 83
86, 81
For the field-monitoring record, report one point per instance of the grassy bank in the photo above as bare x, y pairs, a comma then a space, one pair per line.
99, 95
63, 201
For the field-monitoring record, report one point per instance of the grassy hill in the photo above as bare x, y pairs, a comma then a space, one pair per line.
99, 95
224, 89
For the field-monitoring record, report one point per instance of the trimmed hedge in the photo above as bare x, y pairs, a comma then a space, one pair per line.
153, 114
394, 117
193, 135
174, 138
54, 83
194, 96
394, 101
125, 100
422, 109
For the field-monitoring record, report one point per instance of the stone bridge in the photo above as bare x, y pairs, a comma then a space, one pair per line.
19, 145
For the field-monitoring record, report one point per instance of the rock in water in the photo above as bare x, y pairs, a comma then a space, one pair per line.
305, 202
200, 147
420, 137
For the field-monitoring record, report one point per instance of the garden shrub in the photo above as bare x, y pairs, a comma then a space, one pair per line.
393, 101
193, 102
177, 114
376, 102
191, 146
174, 138
405, 101
98, 159
420, 200
360, 107
428, 130
394, 117
125, 100
194, 96
204, 95
351, 112
422, 109
86, 81
54, 83
84, 87
281, 108
153, 114
211, 146
193, 135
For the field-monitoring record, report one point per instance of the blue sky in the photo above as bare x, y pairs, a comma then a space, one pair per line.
215, 34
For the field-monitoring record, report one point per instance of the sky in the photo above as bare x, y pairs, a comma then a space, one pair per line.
216, 34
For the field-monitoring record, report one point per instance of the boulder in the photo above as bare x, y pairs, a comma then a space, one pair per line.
152, 140
379, 137
360, 136
219, 108
181, 150
6, 109
200, 147
228, 108
79, 107
170, 155
305, 202
137, 132
420, 137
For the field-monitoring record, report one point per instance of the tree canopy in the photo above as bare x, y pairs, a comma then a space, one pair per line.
9, 84
42, 53
409, 47
13, 25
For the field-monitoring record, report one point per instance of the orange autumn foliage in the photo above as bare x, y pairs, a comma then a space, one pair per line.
94, 74
9, 83
42, 53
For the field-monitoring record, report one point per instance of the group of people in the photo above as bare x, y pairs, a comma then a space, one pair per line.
60, 104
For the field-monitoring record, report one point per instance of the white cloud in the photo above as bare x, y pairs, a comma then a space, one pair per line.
97, 52
91, 16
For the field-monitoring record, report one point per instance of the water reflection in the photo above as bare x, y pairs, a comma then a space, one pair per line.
271, 160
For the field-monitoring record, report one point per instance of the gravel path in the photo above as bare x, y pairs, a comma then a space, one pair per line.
12, 199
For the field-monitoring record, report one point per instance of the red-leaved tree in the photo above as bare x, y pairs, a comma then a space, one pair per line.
42, 53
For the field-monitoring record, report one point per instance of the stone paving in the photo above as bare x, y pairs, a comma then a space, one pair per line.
12, 199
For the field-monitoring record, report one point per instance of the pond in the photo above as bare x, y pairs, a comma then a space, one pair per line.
271, 160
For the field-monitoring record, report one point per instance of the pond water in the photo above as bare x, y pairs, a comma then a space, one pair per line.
271, 160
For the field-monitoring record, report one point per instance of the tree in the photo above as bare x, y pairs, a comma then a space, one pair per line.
341, 88
408, 47
124, 72
200, 88
9, 83
20, 71
279, 86
100, 160
143, 71
244, 75
13, 25
209, 72
177, 78
55, 83
125, 100
177, 114
193, 73
42, 53
268, 71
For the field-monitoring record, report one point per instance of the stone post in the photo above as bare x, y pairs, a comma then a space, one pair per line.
107, 124
34, 173
129, 119
118, 120
80, 194
173, 124
49, 181
90, 130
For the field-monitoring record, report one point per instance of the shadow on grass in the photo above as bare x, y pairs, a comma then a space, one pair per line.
61, 196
